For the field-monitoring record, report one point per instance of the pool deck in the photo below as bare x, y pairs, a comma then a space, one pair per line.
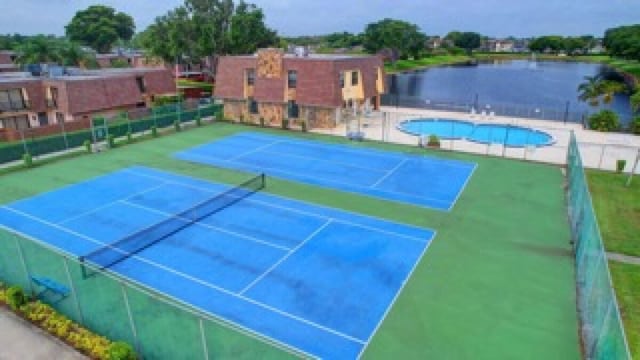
599, 150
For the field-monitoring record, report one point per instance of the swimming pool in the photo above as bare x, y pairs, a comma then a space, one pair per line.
449, 129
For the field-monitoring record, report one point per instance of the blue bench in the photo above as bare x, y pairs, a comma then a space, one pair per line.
50, 285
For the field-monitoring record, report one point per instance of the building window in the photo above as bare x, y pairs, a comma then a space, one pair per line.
43, 119
251, 77
293, 110
141, 85
12, 100
354, 78
253, 106
342, 80
16, 122
292, 79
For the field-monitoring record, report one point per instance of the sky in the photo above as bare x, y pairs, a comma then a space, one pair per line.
497, 18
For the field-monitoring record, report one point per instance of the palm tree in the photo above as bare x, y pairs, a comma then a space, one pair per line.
609, 88
589, 90
39, 49
73, 55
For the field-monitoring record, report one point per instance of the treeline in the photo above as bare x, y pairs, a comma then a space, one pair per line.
566, 44
623, 41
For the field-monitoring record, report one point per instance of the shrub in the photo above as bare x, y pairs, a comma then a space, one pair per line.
154, 131
15, 297
433, 141
111, 140
27, 159
620, 165
129, 137
285, 123
261, 121
87, 146
635, 125
303, 126
198, 121
121, 351
604, 120
176, 125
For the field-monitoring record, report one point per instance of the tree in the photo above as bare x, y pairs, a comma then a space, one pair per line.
100, 27
248, 31
623, 41
604, 120
467, 40
635, 101
394, 34
595, 88
39, 49
551, 43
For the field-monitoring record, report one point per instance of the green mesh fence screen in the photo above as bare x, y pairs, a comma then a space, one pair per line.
157, 326
602, 331
58, 139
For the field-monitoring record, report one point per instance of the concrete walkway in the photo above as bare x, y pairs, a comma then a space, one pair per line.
24, 341
632, 260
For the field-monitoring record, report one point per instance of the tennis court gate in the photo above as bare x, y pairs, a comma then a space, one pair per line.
157, 326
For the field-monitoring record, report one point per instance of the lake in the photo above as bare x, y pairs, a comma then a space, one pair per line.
540, 89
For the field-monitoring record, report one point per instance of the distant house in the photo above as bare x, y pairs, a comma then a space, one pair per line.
130, 59
316, 88
434, 42
28, 101
499, 45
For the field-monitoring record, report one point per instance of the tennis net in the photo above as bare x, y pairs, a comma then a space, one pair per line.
124, 248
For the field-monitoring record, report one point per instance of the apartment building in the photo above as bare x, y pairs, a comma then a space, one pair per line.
317, 89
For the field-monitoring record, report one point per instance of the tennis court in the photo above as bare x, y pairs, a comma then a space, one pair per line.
316, 279
418, 180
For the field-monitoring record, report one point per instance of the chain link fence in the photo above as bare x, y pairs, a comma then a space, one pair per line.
506, 140
601, 324
157, 326
65, 136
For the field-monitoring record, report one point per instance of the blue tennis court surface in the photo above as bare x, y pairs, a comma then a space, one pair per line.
418, 180
317, 279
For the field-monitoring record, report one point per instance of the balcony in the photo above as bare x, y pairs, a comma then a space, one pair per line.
51, 103
15, 106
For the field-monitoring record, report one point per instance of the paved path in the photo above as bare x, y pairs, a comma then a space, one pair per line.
20, 340
633, 260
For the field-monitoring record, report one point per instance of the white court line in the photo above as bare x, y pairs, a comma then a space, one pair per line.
366, 187
191, 278
397, 295
249, 199
464, 186
259, 148
171, 300
256, 280
111, 203
389, 173
369, 151
198, 223
323, 160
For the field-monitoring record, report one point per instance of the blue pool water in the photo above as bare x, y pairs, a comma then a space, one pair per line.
509, 135
442, 128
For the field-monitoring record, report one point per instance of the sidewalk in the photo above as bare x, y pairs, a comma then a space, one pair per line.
24, 341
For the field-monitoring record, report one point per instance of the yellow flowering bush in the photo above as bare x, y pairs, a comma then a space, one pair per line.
43, 315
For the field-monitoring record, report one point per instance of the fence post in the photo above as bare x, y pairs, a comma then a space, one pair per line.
132, 323
64, 135
634, 168
604, 146
24, 143
73, 290
24, 263
204, 339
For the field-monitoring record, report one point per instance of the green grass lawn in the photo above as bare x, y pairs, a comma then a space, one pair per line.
429, 61
190, 83
497, 282
626, 281
618, 210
